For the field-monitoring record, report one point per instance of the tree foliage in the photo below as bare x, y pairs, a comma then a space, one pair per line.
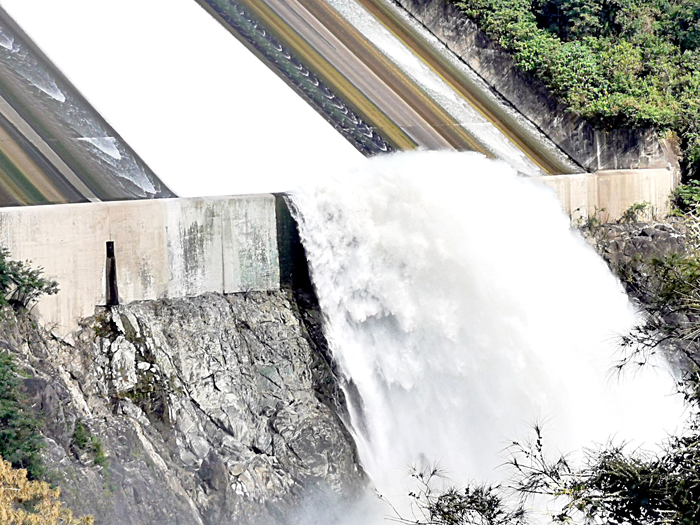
20, 284
473, 505
20, 439
25, 502
686, 197
615, 486
619, 63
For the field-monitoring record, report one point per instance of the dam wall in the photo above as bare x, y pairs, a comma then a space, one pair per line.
162, 248
118, 252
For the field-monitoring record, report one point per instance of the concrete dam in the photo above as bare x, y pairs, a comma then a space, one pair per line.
442, 300
452, 91
162, 248
387, 76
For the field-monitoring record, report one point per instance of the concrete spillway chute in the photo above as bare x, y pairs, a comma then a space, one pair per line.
54, 146
387, 79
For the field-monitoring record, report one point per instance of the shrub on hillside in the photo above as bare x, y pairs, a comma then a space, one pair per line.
686, 197
20, 440
32, 502
618, 63
20, 284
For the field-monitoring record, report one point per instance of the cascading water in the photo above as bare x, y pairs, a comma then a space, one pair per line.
462, 308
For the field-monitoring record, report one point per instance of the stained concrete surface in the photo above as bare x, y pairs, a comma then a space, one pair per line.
608, 194
163, 248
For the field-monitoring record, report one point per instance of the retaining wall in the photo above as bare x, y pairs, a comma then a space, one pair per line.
163, 248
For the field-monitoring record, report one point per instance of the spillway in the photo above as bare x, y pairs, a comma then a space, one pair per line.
377, 85
420, 75
461, 309
55, 147
382, 73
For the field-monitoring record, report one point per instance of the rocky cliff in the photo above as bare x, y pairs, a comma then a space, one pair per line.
630, 246
207, 410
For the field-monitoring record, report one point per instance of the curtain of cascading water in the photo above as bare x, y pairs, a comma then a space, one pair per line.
463, 308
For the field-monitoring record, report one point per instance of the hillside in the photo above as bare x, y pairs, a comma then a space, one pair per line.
618, 63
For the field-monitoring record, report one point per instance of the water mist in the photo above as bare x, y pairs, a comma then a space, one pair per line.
462, 308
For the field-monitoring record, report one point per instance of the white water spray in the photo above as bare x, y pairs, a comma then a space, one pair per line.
463, 308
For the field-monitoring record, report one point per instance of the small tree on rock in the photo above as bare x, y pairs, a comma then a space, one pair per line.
25, 502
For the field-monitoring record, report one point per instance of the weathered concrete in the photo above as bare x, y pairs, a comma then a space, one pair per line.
163, 248
592, 148
608, 194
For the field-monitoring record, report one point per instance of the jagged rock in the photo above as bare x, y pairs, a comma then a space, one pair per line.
633, 244
209, 410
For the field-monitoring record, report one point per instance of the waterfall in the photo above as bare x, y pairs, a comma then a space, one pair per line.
461, 308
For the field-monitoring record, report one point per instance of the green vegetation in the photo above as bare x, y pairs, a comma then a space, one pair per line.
616, 486
478, 504
81, 436
686, 197
635, 213
618, 63
83, 441
20, 440
20, 284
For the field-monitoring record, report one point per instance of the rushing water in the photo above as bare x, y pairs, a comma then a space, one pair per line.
463, 308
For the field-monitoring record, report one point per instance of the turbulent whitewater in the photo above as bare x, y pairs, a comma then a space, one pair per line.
461, 308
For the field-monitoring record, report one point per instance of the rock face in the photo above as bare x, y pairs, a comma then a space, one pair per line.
633, 251
208, 410
630, 247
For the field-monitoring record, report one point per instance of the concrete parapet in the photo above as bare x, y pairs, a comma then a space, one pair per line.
608, 194
163, 248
